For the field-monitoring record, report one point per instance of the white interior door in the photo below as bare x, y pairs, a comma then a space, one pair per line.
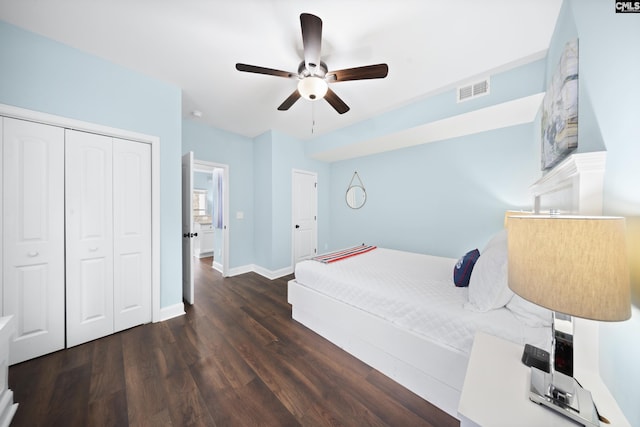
131, 233
187, 227
304, 202
89, 236
33, 236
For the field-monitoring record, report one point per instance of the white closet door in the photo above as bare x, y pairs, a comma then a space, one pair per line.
33, 236
89, 236
132, 233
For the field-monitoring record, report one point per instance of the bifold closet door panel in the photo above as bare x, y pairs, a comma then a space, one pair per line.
33, 236
89, 236
132, 233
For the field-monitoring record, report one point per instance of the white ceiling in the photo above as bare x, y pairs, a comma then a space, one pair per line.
429, 45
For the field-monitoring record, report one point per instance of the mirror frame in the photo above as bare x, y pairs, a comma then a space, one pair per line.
356, 205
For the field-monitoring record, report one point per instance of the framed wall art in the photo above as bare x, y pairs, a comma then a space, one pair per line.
560, 109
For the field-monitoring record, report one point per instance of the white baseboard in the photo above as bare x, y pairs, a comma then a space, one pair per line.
172, 311
269, 274
236, 271
272, 274
217, 266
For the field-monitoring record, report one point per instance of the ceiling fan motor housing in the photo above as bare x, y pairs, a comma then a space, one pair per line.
312, 86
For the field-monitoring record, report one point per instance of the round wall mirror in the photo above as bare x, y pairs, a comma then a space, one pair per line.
356, 196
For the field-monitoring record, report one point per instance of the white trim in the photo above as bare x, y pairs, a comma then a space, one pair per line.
217, 266
67, 123
236, 271
171, 311
581, 175
252, 268
7, 334
272, 274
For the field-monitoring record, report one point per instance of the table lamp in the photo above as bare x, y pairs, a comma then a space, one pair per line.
574, 266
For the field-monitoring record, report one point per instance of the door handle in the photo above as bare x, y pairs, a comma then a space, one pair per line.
189, 235
297, 226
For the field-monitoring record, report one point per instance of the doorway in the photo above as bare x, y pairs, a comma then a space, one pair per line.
205, 218
304, 215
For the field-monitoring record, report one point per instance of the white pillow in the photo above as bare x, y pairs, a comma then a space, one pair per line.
531, 314
488, 287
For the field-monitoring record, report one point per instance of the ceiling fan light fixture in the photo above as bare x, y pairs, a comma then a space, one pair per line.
312, 88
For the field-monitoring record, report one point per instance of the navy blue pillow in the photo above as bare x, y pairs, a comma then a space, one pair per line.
464, 266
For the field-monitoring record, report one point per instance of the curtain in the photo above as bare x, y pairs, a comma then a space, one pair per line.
217, 179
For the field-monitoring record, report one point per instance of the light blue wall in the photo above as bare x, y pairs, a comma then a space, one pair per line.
236, 151
443, 198
260, 186
276, 155
514, 84
609, 109
39, 74
289, 154
263, 200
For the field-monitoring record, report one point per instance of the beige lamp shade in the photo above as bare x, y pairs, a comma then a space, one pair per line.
633, 249
572, 265
509, 214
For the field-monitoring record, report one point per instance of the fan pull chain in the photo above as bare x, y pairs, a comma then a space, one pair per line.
313, 117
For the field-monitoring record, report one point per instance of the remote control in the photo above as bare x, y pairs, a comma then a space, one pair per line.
536, 357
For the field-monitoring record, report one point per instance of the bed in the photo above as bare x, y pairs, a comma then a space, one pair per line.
402, 314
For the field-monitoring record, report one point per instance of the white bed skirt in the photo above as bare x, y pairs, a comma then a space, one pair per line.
427, 368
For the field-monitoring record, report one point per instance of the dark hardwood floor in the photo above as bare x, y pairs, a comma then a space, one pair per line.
236, 359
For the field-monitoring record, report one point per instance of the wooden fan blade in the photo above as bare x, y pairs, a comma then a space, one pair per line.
377, 71
335, 101
311, 40
289, 101
263, 70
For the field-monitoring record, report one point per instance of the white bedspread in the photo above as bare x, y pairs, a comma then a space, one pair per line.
415, 292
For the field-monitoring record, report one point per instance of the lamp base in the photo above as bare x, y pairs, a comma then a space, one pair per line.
572, 400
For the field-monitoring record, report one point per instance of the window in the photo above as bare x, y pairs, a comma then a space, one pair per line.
199, 202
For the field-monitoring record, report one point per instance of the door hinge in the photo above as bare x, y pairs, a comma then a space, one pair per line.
315, 185
315, 251
315, 218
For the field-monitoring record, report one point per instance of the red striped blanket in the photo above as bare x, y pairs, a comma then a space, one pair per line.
343, 254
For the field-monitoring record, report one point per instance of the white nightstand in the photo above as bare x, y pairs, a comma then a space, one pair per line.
496, 387
7, 407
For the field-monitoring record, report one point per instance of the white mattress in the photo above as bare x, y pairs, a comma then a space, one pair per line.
415, 292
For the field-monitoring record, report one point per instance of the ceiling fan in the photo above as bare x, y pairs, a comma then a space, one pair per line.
313, 75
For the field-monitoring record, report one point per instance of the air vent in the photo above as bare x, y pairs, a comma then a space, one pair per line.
473, 90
